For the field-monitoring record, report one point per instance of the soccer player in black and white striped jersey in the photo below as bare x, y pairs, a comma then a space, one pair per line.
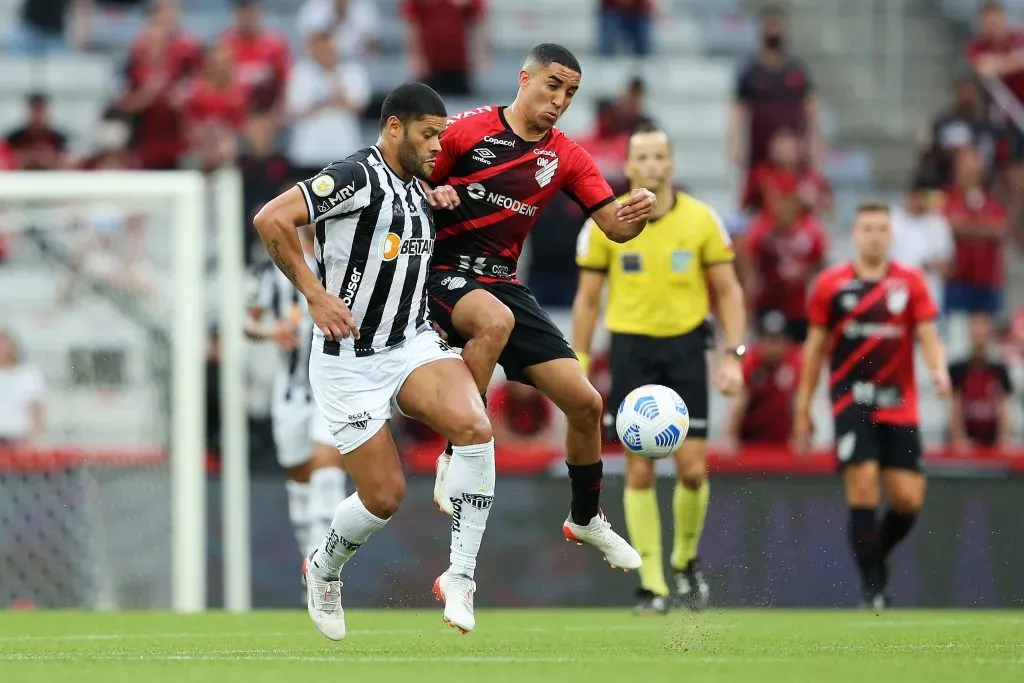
303, 441
374, 348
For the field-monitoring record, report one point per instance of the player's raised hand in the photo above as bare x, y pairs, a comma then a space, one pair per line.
638, 207
940, 379
286, 336
443, 197
332, 317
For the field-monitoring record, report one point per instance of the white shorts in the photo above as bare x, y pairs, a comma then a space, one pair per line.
297, 425
356, 394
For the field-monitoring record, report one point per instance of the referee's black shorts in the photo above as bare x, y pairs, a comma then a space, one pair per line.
679, 363
535, 339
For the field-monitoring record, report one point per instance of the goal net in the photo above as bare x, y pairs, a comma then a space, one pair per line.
101, 459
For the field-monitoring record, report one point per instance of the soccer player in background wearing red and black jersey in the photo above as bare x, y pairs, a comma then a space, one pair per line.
864, 316
980, 412
506, 163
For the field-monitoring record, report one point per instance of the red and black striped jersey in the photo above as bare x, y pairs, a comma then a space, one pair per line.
503, 183
871, 327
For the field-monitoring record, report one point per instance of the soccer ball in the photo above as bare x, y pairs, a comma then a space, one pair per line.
652, 421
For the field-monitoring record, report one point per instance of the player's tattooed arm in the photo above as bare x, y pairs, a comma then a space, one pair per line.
278, 223
274, 249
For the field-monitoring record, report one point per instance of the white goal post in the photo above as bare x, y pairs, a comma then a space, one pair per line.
186, 193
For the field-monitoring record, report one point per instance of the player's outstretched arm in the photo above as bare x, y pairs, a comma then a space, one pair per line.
622, 221
278, 223
935, 356
586, 308
814, 355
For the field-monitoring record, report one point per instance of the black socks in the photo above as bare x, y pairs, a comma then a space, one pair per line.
586, 491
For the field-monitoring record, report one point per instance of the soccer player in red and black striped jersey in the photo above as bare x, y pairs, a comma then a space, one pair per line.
506, 163
864, 315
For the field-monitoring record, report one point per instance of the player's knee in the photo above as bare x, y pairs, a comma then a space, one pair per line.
906, 502
639, 474
384, 501
472, 429
494, 326
693, 477
586, 407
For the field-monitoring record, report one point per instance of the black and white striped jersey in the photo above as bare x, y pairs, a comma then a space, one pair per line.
374, 238
279, 299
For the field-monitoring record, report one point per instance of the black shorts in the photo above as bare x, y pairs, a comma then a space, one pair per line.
892, 446
535, 339
679, 363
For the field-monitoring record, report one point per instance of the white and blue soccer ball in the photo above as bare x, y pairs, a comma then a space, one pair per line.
652, 421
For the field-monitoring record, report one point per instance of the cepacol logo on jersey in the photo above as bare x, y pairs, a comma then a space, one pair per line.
393, 246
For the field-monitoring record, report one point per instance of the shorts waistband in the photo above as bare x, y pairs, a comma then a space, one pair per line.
485, 266
332, 347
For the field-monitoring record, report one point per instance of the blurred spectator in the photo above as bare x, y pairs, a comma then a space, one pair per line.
763, 413
607, 144
355, 25
111, 139
155, 77
519, 414
922, 237
787, 166
325, 97
628, 23
260, 56
22, 410
184, 48
447, 42
964, 124
773, 91
215, 111
786, 249
44, 23
110, 248
265, 173
979, 224
8, 162
980, 412
630, 105
38, 146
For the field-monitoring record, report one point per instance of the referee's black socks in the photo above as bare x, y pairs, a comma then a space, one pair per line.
867, 547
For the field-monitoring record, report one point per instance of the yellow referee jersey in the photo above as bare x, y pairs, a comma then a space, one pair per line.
656, 280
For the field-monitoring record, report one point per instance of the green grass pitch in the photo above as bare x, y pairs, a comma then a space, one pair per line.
567, 645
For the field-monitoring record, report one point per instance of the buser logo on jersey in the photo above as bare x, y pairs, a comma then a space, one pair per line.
394, 246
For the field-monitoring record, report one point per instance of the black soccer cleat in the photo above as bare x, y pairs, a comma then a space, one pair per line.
692, 590
650, 603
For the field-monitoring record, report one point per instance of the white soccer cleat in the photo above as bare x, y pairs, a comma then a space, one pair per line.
323, 601
616, 550
456, 592
441, 500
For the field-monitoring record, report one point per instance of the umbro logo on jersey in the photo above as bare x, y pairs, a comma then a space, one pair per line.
546, 171
483, 155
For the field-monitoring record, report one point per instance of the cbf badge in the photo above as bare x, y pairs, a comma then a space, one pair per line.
896, 296
681, 261
323, 185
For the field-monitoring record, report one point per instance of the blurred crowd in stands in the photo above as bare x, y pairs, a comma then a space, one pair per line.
246, 99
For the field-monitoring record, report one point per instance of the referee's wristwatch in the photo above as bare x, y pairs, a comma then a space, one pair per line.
737, 352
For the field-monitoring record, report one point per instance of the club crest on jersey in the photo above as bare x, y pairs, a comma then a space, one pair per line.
546, 171
322, 185
897, 295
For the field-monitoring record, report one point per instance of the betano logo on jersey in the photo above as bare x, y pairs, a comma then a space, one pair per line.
393, 246
480, 193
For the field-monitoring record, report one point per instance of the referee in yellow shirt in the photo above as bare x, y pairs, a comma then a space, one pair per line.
658, 307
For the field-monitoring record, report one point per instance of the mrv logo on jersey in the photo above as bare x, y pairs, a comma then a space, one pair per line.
480, 193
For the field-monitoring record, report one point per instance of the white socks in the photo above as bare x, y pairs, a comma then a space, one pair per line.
352, 525
298, 513
470, 487
326, 490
